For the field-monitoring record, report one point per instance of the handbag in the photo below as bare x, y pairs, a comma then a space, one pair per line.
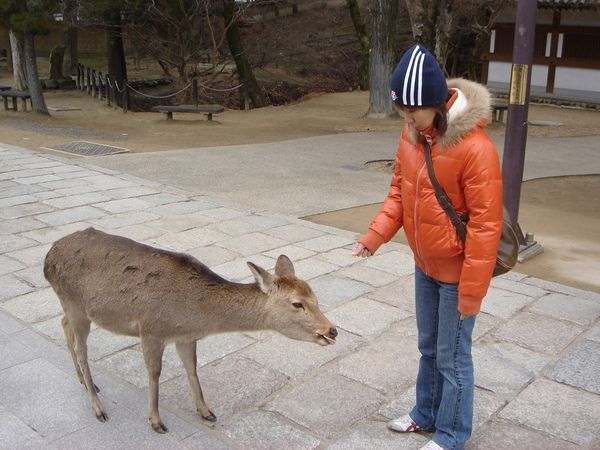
508, 249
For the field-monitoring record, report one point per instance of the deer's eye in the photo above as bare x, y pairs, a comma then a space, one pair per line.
298, 305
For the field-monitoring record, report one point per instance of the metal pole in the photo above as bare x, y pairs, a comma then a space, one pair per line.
516, 122
513, 160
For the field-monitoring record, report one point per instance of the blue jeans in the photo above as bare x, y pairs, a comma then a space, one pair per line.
445, 382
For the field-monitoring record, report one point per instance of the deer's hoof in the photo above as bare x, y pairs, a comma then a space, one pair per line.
160, 428
102, 417
211, 417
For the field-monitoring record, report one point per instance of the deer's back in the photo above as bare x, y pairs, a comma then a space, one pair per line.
120, 281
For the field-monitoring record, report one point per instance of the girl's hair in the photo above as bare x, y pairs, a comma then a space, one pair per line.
440, 121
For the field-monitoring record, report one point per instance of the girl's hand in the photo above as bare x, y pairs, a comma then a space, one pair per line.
361, 250
464, 316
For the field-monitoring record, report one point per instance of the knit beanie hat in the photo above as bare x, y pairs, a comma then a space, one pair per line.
418, 79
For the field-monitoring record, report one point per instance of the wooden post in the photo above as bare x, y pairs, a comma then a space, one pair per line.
100, 86
107, 94
125, 95
195, 91
114, 93
87, 79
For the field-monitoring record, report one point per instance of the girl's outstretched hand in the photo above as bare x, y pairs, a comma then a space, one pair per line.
361, 250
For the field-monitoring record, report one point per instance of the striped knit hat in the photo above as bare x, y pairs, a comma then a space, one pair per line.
418, 80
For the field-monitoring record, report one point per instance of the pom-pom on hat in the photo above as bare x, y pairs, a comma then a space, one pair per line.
418, 79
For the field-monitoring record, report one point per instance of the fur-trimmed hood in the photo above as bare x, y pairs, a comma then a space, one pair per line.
471, 109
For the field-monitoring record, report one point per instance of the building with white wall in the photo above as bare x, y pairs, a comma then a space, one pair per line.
566, 52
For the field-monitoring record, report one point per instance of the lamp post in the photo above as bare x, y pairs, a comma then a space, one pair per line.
513, 159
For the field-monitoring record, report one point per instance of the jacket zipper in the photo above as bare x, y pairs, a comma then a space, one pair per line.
415, 218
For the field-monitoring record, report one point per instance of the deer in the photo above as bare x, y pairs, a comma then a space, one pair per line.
163, 297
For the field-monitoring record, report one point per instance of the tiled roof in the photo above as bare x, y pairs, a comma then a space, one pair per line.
569, 4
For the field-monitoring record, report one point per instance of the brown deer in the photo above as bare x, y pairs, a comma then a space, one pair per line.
163, 297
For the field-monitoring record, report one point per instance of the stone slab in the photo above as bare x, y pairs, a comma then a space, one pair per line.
264, 430
567, 307
333, 290
366, 318
558, 410
540, 333
505, 368
579, 367
327, 404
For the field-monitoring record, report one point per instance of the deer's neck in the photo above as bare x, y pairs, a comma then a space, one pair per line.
244, 308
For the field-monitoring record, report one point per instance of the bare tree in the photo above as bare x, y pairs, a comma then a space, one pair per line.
110, 14
69, 12
244, 69
18, 60
363, 39
117, 67
482, 21
384, 16
431, 24
173, 33
455, 32
28, 23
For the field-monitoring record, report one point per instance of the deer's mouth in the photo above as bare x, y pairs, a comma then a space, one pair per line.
328, 340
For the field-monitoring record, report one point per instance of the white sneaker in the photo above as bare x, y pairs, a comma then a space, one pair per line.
431, 446
403, 425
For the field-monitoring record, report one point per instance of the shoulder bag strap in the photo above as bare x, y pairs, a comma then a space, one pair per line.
458, 223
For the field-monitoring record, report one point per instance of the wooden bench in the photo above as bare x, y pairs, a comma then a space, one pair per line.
207, 110
24, 96
498, 112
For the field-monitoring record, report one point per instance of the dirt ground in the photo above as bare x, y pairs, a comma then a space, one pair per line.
564, 221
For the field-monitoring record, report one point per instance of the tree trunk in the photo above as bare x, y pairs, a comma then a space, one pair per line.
70, 60
38, 103
431, 23
115, 51
384, 16
236, 47
363, 39
31, 70
18, 61
475, 58
69, 66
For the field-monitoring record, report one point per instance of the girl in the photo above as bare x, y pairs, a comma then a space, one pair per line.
451, 278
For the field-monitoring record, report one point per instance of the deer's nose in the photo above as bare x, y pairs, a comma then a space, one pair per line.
333, 333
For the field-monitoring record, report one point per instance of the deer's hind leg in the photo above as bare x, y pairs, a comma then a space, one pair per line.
70, 336
76, 327
187, 354
153, 351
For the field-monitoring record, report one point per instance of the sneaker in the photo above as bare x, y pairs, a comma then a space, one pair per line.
403, 425
431, 446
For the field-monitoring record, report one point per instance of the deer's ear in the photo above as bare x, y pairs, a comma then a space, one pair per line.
284, 266
262, 277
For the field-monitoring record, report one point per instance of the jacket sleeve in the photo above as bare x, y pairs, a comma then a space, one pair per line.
482, 184
388, 221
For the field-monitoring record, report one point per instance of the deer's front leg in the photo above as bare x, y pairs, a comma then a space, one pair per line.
187, 354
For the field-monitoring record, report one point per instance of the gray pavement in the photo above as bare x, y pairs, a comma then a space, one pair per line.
537, 348
320, 174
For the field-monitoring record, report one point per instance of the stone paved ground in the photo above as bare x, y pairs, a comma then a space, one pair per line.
537, 348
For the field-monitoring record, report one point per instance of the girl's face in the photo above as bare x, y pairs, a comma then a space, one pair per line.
418, 118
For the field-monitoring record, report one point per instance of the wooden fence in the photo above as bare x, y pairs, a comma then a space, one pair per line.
106, 87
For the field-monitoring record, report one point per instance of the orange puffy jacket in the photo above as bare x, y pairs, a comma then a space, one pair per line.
467, 167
